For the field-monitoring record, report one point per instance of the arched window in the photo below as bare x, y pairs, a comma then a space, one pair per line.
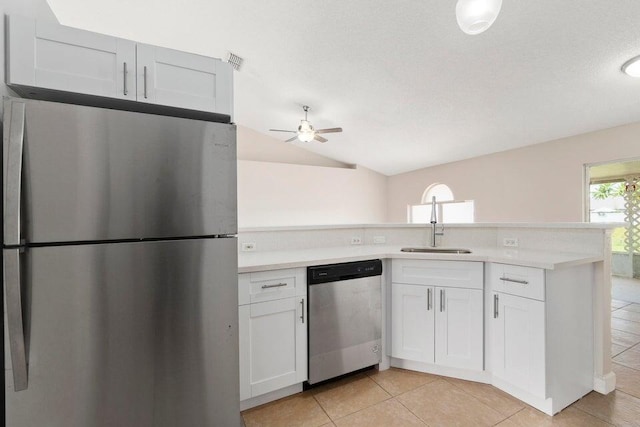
448, 209
441, 192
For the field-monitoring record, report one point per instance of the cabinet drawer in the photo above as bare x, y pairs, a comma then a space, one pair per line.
271, 285
516, 280
454, 274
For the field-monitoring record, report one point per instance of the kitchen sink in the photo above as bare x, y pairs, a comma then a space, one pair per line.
437, 250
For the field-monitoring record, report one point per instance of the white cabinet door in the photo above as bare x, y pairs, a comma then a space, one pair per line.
459, 330
185, 80
62, 58
412, 308
518, 342
273, 345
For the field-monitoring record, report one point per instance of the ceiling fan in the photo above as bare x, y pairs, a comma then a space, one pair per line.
306, 132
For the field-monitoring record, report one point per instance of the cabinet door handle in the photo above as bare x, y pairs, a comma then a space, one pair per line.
522, 282
495, 306
429, 305
302, 308
144, 71
275, 285
441, 300
124, 86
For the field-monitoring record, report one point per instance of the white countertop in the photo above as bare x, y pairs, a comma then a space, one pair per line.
273, 260
549, 225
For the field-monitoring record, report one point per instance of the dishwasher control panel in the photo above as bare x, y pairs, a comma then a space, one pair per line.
343, 271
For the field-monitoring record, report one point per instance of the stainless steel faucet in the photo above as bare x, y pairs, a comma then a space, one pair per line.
434, 222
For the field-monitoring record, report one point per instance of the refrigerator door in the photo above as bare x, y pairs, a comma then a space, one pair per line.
129, 335
93, 174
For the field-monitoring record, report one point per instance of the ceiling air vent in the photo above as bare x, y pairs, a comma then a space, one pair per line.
235, 61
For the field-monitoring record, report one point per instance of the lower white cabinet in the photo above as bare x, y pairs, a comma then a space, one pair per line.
412, 320
459, 330
518, 342
541, 333
438, 324
273, 332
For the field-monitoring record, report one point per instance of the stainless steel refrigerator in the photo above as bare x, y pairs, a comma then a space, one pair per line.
120, 268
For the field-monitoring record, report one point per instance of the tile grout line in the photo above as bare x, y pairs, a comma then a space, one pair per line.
410, 411
362, 409
322, 408
588, 413
481, 402
510, 416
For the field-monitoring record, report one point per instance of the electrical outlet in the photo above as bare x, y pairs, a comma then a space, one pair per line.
511, 242
248, 247
356, 240
379, 240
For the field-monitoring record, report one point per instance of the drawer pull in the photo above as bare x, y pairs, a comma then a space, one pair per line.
275, 285
522, 282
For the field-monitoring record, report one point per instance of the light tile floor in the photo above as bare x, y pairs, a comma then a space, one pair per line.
404, 398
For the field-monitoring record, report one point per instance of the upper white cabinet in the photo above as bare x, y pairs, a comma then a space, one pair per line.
170, 77
437, 312
59, 58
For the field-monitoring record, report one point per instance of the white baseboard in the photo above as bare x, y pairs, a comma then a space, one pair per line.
605, 384
270, 397
464, 374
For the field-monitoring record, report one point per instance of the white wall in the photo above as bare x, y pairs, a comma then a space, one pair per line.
273, 194
283, 184
38, 9
538, 183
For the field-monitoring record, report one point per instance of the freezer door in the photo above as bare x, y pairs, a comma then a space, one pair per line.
92, 174
129, 335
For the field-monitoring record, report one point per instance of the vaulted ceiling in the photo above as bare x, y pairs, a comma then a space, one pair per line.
409, 88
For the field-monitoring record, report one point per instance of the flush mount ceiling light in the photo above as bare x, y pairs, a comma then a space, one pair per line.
476, 16
632, 67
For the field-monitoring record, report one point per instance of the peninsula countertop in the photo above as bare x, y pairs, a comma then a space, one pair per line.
274, 260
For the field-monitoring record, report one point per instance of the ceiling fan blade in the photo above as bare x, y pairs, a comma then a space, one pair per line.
320, 139
292, 139
330, 130
281, 130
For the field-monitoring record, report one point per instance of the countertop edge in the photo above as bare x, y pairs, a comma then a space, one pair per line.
507, 257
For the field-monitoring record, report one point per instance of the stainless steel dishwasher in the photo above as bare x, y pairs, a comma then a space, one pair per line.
344, 318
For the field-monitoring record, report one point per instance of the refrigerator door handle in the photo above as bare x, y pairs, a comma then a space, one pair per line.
14, 319
13, 174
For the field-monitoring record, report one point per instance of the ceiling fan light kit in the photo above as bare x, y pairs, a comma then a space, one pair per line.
476, 16
306, 132
632, 67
